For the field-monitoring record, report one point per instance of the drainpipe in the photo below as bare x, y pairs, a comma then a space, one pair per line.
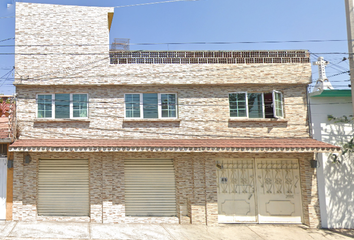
309, 118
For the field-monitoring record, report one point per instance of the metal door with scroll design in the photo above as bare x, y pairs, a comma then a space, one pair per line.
236, 200
278, 191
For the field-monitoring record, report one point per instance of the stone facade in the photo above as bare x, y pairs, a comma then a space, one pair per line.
196, 186
203, 112
75, 51
65, 49
72, 56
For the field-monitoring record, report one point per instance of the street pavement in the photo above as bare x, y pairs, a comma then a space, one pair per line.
58, 230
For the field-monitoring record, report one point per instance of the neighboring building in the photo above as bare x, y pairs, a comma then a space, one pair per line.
331, 114
156, 136
6, 138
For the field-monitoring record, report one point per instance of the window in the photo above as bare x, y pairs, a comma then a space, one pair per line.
151, 105
62, 105
256, 105
3, 149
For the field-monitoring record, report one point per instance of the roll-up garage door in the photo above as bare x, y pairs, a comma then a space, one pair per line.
63, 187
150, 188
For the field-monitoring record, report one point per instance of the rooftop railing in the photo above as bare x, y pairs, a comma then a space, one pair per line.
208, 57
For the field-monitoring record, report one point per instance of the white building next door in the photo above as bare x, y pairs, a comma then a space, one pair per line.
3, 178
259, 190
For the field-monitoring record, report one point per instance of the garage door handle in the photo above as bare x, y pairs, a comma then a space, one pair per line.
250, 196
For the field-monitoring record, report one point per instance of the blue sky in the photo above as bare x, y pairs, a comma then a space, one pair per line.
214, 21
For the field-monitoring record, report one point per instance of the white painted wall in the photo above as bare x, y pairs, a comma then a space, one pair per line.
335, 181
3, 176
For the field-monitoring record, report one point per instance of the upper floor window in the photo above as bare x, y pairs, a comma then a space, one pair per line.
150, 105
256, 105
62, 105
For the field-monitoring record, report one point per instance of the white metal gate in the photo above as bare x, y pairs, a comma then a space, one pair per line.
259, 190
236, 201
278, 188
3, 182
149, 188
63, 187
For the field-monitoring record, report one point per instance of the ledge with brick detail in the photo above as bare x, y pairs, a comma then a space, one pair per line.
47, 120
172, 145
273, 120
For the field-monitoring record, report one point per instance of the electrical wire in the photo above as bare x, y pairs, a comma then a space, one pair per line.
339, 74
333, 65
123, 6
7, 17
118, 74
9, 74
182, 43
4, 76
7, 39
121, 103
151, 3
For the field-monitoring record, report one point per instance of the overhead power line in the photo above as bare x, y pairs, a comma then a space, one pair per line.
7, 76
151, 3
185, 43
7, 39
339, 74
100, 53
123, 6
7, 17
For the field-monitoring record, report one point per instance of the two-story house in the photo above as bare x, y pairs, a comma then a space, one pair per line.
200, 137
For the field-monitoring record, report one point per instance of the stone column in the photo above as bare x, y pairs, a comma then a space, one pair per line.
198, 213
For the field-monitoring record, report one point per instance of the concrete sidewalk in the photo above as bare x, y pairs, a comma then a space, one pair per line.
51, 230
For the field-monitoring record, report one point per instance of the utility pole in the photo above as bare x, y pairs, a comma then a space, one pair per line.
349, 10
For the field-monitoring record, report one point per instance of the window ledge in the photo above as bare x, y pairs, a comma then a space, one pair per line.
272, 120
151, 120
61, 120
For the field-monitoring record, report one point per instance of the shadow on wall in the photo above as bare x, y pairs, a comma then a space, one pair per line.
337, 133
339, 178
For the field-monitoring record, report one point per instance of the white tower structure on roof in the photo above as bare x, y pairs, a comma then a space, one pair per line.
322, 83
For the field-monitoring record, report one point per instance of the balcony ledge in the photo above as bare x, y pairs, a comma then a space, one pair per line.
48, 120
268, 120
151, 120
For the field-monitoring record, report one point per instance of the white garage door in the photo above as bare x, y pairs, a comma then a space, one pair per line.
259, 190
149, 188
63, 187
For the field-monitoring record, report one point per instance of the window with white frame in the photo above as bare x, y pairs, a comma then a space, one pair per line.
150, 105
256, 105
62, 105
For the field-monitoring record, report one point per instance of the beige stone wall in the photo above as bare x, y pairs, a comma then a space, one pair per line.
203, 113
69, 45
196, 189
65, 49
52, 40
